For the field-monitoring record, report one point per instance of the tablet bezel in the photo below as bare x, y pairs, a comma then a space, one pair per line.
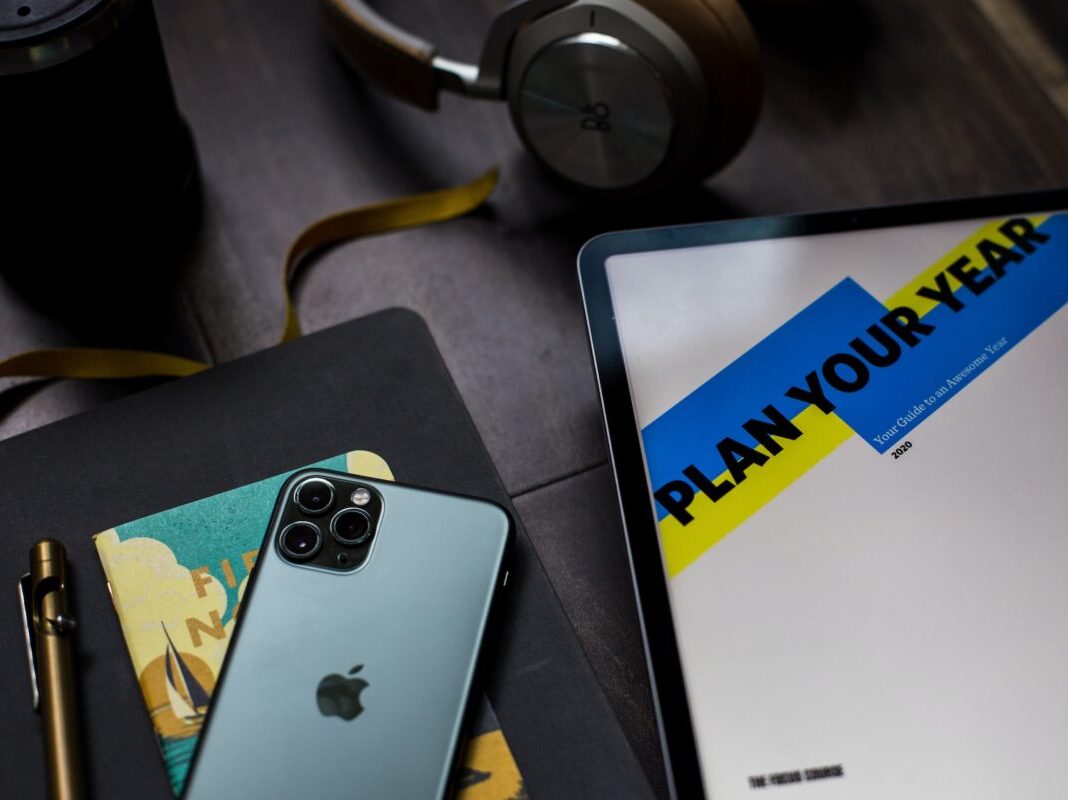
681, 759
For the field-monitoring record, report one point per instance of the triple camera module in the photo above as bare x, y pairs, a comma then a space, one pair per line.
329, 522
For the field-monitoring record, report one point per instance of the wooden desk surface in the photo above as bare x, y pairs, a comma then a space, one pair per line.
867, 102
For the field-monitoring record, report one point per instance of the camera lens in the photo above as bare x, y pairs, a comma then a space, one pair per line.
314, 496
351, 526
301, 540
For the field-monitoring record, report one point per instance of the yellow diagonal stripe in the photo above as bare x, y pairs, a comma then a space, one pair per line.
906, 295
821, 434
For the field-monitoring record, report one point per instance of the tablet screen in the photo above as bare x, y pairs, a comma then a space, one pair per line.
856, 450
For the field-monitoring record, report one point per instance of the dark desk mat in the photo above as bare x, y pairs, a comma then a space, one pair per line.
377, 383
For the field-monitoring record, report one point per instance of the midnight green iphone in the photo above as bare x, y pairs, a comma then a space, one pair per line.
357, 644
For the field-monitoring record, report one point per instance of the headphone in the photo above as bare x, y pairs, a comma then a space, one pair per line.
624, 96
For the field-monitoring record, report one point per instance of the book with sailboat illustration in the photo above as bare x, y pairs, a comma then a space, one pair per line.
176, 580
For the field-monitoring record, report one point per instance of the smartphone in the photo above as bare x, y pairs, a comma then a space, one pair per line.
356, 645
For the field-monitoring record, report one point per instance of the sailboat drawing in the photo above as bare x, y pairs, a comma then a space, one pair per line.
188, 699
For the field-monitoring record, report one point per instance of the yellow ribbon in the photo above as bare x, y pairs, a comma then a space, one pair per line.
391, 215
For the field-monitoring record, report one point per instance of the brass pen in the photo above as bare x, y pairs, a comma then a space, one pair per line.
48, 625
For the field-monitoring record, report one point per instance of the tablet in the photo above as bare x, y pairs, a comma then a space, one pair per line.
840, 445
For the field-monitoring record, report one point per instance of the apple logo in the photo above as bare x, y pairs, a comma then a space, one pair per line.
339, 696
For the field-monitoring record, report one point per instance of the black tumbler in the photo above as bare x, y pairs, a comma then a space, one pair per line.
99, 182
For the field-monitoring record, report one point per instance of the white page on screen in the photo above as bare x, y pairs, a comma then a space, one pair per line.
869, 576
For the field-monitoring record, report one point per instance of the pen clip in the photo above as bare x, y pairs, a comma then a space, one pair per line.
29, 633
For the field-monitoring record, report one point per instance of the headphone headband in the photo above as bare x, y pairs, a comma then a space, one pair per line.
393, 58
610, 95
409, 67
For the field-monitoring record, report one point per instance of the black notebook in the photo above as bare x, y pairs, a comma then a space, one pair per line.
376, 384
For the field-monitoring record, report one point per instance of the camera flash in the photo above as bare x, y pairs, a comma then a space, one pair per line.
361, 496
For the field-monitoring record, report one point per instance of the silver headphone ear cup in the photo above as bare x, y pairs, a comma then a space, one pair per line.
611, 97
596, 111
